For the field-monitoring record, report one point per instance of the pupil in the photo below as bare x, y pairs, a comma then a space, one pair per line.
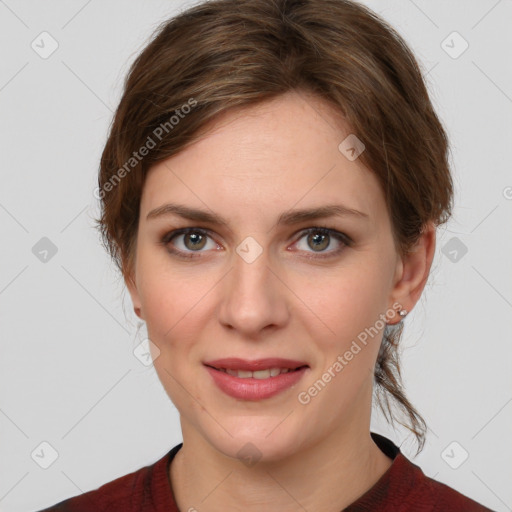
195, 239
318, 239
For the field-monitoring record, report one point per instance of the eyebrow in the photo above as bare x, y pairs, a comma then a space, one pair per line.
287, 218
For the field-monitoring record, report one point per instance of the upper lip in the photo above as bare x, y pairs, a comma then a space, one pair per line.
234, 363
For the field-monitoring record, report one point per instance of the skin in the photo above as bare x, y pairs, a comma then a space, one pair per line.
249, 166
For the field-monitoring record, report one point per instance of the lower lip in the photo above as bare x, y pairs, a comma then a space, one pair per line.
255, 389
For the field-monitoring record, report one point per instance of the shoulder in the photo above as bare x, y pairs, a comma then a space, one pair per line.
119, 494
104, 498
445, 498
404, 488
427, 494
141, 490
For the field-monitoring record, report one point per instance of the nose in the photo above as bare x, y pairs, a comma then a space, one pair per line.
254, 297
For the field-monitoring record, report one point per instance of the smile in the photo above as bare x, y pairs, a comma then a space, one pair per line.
255, 380
259, 374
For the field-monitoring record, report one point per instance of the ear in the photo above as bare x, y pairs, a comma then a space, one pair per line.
413, 269
130, 282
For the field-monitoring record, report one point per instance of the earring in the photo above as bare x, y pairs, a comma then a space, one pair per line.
403, 313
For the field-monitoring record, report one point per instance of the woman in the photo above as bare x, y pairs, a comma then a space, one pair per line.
270, 190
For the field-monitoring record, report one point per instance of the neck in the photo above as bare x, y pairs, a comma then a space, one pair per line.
327, 476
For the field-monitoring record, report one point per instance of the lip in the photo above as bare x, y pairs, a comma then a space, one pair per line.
235, 363
250, 388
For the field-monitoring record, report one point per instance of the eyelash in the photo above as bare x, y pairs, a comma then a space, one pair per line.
341, 237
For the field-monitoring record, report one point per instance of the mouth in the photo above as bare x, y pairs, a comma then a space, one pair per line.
258, 374
255, 380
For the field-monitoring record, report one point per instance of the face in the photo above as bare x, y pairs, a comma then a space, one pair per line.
266, 283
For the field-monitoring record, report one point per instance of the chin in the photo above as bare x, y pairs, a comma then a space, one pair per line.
258, 440
251, 451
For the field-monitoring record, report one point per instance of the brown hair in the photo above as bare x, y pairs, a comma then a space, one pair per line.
226, 54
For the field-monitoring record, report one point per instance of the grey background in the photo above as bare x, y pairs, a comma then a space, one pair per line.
68, 375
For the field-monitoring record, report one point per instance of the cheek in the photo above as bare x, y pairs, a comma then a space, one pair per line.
349, 303
167, 294
176, 307
346, 357
171, 314
348, 300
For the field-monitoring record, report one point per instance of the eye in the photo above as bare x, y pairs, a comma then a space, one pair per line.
187, 241
320, 238
192, 240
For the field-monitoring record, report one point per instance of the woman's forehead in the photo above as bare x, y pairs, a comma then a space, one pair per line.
281, 152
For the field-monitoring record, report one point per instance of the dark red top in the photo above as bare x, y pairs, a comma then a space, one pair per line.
403, 487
